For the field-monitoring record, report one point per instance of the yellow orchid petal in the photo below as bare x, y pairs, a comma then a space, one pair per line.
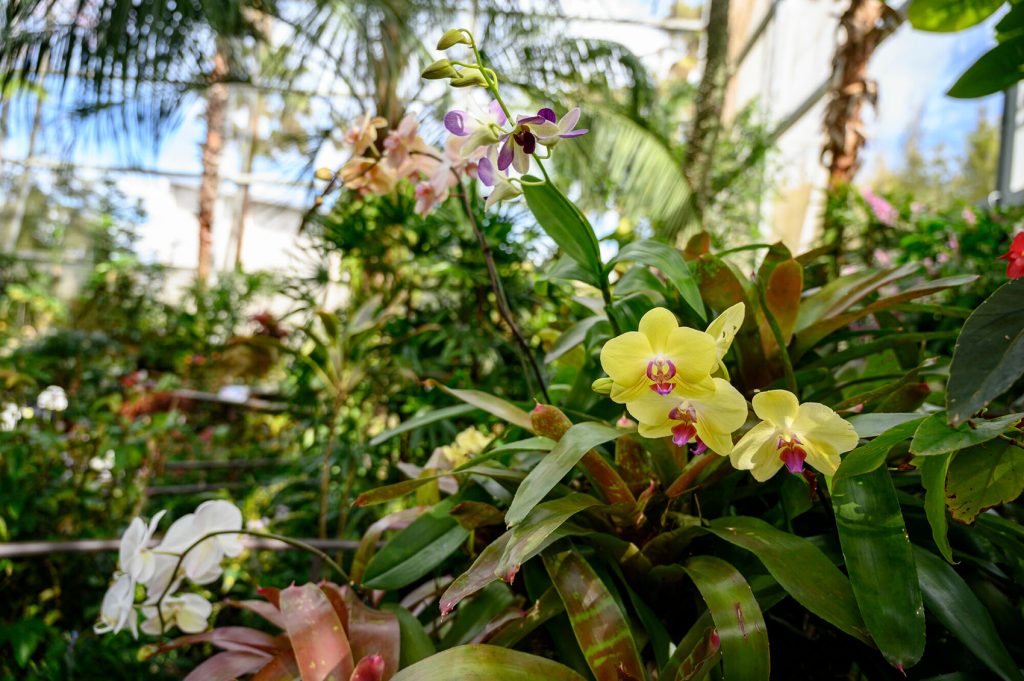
824, 430
824, 461
725, 326
623, 394
657, 325
719, 415
652, 409
756, 451
660, 430
778, 407
692, 352
624, 358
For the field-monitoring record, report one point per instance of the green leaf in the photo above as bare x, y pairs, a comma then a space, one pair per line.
531, 536
661, 643
872, 425
566, 225
880, 564
599, 625
701, 656
576, 442
416, 550
482, 572
996, 70
572, 337
543, 609
415, 644
530, 444
737, 616
867, 458
983, 476
690, 650
800, 568
421, 420
496, 406
479, 661
989, 354
947, 16
671, 264
475, 614
933, 479
952, 602
934, 436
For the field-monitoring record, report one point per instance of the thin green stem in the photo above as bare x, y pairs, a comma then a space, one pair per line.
780, 340
252, 533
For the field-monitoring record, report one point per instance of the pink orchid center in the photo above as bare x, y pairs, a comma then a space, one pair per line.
661, 371
684, 430
791, 453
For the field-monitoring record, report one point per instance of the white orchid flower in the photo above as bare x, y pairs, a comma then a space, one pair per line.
135, 556
202, 564
189, 612
53, 398
118, 608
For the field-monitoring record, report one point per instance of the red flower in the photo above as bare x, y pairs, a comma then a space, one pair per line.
1015, 257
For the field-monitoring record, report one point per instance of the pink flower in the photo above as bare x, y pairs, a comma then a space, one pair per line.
969, 217
882, 209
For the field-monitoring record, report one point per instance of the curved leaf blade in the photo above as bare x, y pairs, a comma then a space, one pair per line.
566, 226
670, 263
480, 662
321, 649
737, 616
933, 478
869, 457
934, 436
983, 476
880, 564
947, 16
492, 404
800, 568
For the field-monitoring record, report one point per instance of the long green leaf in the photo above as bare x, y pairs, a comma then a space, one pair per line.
572, 337
576, 442
737, 616
482, 572
503, 409
479, 662
873, 425
800, 568
880, 564
867, 458
416, 550
543, 609
671, 264
565, 224
474, 615
529, 537
415, 643
948, 597
934, 436
933, 478
996, 70
600, 626
989, 354
947, 16
421, 420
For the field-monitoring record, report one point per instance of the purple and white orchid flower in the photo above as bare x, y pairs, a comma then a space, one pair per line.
565, 128
479, 132
541, 128
502, 187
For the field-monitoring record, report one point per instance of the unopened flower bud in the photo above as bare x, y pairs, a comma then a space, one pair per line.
602, 386
442, 68
469, 78
453, 36
549, 421
324, 174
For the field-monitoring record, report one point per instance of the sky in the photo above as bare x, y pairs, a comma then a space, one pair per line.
913, 70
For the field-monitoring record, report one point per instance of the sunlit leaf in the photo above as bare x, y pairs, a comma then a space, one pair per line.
318, 639
934, 436
479, 661
983, 476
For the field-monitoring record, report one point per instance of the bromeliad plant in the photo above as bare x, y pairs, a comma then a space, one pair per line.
637, 524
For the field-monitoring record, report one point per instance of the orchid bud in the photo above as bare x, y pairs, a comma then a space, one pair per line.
602, 386
442, 68
324, 174
453, 36
549, 421
469, 78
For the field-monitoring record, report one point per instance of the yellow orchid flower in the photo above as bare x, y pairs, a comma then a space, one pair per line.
707, 417
724, 329
791, 434
658, 357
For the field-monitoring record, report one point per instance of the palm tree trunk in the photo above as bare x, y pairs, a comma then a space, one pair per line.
250, 158
213, 149
24, 188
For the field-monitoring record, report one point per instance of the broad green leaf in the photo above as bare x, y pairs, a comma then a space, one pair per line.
933, 479
880, 564
313, 628
934, 436
841, 294
476, 514
694, 640
670, 263
482, 572
496, 406
867, 458
599, 625
479, 662
415, 644
566, 226
543, 609
952, 602
782, 295
576, 442
800, 568
983, 476
947, 16
872, 425
996, 70
474, 615
572, 337
700, 658
422, 420
661, 643
416, 550
371, 538
737, 616
530, 444
989, 354
531, 536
